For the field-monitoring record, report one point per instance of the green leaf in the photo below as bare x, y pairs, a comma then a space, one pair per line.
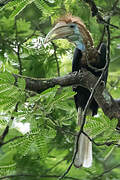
9, 93
21, 83
19, 6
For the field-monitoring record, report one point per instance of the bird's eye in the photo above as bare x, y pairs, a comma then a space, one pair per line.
72, 25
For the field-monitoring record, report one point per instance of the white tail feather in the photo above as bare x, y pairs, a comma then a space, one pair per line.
84, 153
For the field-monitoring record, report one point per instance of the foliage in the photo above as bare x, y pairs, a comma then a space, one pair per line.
45, 147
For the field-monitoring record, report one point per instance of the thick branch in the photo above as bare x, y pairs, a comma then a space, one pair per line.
85, 79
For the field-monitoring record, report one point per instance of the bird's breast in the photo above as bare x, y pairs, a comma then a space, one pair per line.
90, 56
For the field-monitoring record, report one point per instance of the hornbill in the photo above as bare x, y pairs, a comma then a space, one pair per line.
88, 57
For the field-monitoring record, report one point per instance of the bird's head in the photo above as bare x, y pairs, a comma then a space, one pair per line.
72, 29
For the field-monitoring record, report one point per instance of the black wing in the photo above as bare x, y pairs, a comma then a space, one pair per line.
82, 94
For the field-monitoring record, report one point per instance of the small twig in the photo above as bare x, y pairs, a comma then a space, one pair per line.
105, 172
108, 43
114, 7
115, 37
18, 49
92, 67
88, 63
68, 169
18, 44
10, 140
101, 39
101, 144
95, 12
6, 130
2, 137
106, 23
55, 54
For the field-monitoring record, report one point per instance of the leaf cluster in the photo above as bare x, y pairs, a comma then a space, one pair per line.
46, 145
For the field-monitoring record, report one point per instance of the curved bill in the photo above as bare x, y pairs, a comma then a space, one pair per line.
60, 31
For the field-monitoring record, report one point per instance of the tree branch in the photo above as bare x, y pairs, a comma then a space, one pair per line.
85, 79
101, 38
4, 134
18, 46
6, 130
115, 37
114, 7
106, 171
101, 144
95, 12
10, 140
55, 54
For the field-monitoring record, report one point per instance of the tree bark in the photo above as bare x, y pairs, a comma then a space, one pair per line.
106, 102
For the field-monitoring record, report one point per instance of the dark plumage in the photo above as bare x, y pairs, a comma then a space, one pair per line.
83, 94
85, 56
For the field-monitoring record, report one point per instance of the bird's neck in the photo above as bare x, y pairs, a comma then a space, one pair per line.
80, 44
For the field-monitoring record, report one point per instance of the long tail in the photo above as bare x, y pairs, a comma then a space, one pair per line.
84, 153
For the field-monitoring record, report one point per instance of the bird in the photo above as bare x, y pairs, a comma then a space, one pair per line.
86, 56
